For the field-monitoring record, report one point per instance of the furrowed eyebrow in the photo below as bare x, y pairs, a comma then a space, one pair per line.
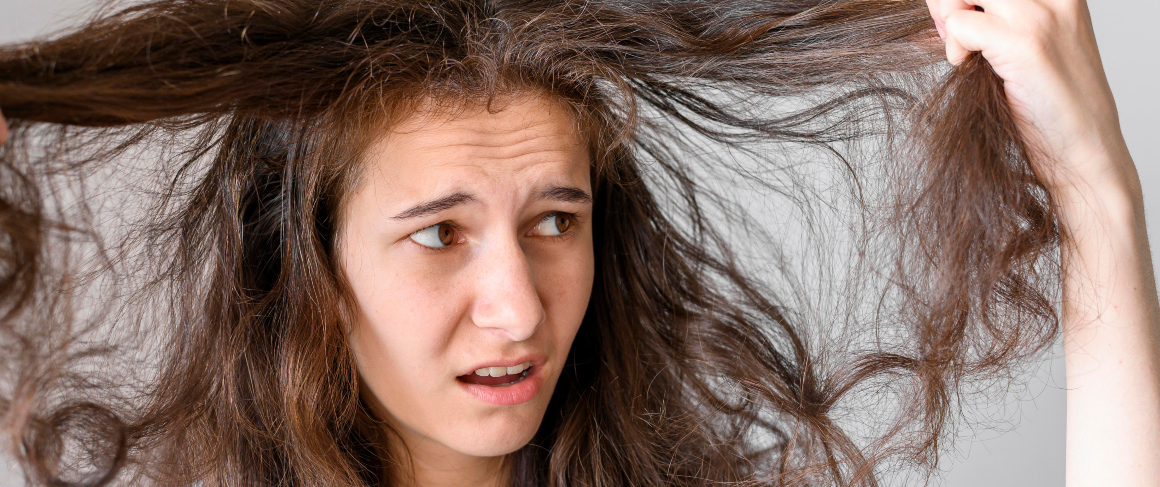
559, 193
564, 193
435, 206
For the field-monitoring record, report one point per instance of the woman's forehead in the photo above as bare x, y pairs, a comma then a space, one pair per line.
528, 140
509, 128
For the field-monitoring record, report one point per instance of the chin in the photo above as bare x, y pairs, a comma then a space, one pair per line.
494, 433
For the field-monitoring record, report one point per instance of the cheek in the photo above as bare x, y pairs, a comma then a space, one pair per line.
404, 329
564, 283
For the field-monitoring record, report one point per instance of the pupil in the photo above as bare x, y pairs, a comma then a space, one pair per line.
562, 223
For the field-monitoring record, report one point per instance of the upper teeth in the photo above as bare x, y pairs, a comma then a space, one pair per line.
502, 371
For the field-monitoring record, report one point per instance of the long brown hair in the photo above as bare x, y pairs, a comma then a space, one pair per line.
688, 368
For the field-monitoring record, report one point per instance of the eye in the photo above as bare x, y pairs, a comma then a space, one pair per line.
554, 224
435, 236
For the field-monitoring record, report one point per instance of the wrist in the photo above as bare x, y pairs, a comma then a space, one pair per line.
1108, 190
1109, 209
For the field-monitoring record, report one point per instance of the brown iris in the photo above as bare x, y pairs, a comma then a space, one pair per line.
563, 222
446, 234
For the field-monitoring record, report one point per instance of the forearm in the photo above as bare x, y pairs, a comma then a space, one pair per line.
1111, 332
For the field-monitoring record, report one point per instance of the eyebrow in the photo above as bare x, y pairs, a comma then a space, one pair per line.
559, 193
436, 205
565, 193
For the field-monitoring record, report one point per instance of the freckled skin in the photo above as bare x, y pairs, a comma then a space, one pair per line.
501, 291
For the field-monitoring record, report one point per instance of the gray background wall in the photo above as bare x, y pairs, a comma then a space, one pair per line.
1028, 450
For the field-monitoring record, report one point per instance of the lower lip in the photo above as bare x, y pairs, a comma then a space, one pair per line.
518, 393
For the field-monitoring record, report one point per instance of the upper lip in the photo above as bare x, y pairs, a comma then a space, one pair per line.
537, 359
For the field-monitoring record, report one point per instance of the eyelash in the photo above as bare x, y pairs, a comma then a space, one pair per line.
568, 233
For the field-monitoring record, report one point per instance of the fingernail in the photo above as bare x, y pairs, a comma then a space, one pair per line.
941, 33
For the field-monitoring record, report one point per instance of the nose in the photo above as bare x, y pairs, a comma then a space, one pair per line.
506, 298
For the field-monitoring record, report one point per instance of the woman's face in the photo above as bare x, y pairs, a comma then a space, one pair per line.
468, 245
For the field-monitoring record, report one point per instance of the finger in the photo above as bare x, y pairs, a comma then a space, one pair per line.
968, 31
947, 7
932, 5
1001, 7
955, 53
3, 129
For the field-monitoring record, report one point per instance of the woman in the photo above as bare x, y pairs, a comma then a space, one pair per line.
417, 245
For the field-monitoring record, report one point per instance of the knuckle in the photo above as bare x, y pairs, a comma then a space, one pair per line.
946, 8
953, 20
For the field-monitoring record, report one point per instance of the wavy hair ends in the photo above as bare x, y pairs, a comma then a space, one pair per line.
687, 370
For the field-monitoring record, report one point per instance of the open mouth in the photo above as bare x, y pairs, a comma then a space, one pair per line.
498, 376
506, 386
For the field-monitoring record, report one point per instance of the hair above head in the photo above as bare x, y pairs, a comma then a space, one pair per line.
688, 369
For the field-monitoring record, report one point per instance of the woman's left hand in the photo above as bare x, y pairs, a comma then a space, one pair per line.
1045, 51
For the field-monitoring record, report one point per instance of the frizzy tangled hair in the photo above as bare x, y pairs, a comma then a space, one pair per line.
686, 370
